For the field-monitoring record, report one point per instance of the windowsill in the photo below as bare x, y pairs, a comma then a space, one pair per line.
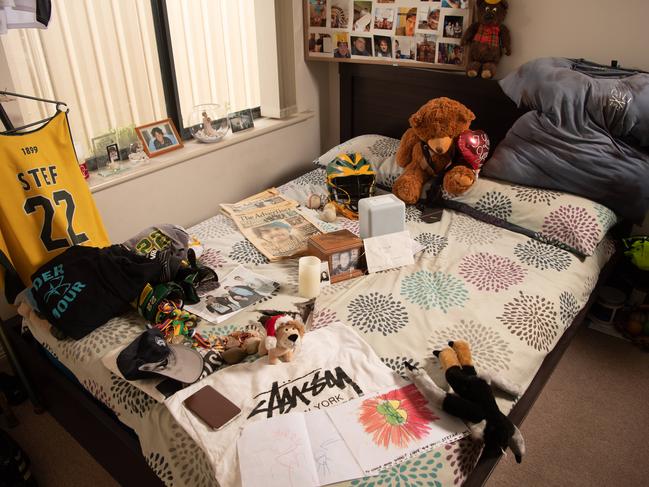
191, 150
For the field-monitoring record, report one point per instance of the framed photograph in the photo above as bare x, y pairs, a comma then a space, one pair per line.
113, 152
159, 137
241, 120
101, 142
345, 262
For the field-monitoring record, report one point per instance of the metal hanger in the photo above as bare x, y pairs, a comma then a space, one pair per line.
60, 107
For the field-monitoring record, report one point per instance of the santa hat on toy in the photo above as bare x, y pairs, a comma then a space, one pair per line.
271, 325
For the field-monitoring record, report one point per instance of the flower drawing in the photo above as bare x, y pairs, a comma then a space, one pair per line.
396, 418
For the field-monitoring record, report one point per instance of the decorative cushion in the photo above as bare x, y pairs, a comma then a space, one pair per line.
570, 222
378, 150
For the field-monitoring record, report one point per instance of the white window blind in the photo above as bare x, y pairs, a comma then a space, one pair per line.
101, 58
215, 52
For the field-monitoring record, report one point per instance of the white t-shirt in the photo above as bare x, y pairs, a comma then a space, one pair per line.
334, 365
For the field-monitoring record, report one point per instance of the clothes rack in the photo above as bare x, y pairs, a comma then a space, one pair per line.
9, 127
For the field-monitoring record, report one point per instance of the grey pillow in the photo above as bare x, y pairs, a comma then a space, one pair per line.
586, 135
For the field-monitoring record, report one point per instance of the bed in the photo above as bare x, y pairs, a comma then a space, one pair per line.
137, 440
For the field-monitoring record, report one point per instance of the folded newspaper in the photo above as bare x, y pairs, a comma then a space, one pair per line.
240, 289
273, 224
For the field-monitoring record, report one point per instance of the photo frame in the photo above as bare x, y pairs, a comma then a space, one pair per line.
159, 137
425, 34
112, 151
241, 120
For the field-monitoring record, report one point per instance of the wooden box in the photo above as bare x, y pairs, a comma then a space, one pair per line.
342, 250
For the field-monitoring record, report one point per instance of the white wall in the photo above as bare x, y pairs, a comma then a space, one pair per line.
597, 30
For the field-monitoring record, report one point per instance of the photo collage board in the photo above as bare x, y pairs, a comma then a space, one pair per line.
393, 31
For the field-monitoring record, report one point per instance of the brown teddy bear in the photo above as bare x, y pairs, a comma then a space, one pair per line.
487, 38
428, 146
283, 337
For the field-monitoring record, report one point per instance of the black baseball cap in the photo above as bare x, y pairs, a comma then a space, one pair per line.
149, 356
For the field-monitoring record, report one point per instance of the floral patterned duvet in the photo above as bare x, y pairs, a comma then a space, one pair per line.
510, 296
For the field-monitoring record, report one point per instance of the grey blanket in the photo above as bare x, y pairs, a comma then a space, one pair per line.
586, 134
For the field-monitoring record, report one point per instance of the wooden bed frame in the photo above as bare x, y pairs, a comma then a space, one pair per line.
374, 99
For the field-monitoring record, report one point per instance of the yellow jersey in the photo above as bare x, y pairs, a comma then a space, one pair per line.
45, 204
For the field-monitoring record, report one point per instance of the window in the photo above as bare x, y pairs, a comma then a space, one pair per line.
112, 62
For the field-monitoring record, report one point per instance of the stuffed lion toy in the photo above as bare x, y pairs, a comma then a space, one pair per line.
283, 338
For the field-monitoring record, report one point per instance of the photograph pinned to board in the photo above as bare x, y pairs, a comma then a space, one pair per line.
241, 120
340, 14
406, 21
461, 4
318, 13
362, 16
384, 18
450, 53
383, 46
386, 428
361, 45
428, 17
341, 45
405, 48
453, 26
240, 289
426, 48
320, 44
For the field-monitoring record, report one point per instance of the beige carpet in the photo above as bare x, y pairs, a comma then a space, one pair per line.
589, 427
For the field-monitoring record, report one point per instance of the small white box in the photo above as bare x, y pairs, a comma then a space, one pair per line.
381, 215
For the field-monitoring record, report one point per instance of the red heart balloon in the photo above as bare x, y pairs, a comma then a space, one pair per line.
474, 147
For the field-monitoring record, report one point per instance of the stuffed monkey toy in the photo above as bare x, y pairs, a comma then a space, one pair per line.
472, 399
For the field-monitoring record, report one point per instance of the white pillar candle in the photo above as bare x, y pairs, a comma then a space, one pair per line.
309, 276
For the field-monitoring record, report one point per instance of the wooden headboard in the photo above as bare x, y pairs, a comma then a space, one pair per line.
378, 99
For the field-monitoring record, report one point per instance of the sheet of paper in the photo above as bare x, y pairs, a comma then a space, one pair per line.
277, 453
388, 251
333, 460
387, 428
416, 247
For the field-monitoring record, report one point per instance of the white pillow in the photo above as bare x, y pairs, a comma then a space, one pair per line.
378, 150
